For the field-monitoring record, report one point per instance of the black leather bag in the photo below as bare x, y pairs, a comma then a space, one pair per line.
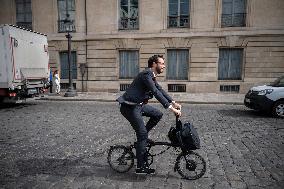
172, 135
188, 137
184, 136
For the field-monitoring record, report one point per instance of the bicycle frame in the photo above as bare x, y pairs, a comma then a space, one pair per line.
191, 170
169, 144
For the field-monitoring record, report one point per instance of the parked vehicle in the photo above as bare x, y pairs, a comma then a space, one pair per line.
23, 63
268, 98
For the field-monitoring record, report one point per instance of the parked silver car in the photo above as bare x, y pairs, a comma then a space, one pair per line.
268, 98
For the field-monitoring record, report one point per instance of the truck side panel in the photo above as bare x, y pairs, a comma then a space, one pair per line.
30, 55
24, 63
6, 71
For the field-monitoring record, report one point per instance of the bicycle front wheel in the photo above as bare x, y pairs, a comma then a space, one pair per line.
120, 158
190, 165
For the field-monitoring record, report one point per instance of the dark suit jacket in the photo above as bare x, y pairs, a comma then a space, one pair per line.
143, 87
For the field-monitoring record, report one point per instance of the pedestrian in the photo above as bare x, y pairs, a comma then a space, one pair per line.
56, 82
50, 80
134, 105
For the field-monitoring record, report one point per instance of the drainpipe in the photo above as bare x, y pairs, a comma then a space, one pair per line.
86, 48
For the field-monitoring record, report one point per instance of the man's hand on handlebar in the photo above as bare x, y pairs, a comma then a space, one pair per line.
176, 111
176, 105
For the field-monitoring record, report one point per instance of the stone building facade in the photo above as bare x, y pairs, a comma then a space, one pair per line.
209, 45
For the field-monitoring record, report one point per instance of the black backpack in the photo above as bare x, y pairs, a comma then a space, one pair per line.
184, 136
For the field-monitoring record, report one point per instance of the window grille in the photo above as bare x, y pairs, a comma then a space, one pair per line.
176, 87
66, 7
123, 87
129, 15
230, 88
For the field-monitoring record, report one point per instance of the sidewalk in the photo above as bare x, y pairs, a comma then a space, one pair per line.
193, 98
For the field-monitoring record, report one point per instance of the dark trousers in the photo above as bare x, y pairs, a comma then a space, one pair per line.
50, 86
134, 113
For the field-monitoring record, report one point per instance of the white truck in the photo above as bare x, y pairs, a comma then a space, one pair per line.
23, 63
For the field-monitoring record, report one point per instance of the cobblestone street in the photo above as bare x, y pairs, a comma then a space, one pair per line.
54, 144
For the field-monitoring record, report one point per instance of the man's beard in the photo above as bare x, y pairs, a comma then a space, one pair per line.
159, 71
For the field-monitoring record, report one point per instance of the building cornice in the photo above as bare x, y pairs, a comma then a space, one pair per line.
171, 33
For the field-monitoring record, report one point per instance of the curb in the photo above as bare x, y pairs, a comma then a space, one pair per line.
105, 100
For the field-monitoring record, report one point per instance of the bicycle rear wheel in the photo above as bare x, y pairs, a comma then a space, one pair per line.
120, 158
190, 165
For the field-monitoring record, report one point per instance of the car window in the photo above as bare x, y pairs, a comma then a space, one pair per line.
278, 82
281, 83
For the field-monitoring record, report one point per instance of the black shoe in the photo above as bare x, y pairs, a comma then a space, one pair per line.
144, 170
151, 171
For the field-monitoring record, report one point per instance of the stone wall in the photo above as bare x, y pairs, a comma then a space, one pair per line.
97, 40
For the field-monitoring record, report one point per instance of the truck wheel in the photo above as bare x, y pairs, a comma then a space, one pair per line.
278, 109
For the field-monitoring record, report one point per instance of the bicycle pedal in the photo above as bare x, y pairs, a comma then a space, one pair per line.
144, 171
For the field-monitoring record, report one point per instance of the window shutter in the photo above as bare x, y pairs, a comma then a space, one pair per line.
171, 68
223, 66
183, 64
128, 64
179, 13
235, 71
184, 13
122, 64
173, 8
233, 13
24, 13
132, 64
64, 67
177, 68
239, 6
227, 11
230, 64
61, 9
239, 15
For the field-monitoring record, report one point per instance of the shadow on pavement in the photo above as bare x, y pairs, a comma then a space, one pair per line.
15, 105
55, 170
244, 113
77, 168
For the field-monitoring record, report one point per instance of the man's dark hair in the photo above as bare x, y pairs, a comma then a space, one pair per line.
153, 59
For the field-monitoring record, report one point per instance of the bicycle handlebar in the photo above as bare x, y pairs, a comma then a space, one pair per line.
177, 117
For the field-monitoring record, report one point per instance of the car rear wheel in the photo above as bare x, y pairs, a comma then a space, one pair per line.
278, 109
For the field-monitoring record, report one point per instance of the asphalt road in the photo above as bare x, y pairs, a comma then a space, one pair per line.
53, 144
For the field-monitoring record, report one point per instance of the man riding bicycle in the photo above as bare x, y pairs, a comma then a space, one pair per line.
134, 106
